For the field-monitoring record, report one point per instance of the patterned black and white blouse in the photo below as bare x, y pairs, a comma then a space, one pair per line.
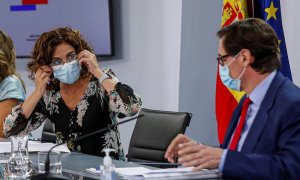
96, 109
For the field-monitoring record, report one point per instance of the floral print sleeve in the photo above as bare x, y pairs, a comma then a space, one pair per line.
122, 101
95, 110
15, 123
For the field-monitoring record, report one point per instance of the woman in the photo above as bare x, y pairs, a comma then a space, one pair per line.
11, 86
74, 94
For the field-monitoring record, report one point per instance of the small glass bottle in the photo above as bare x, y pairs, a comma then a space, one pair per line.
108, 168
19, 162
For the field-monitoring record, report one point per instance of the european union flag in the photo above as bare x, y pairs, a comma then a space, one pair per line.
269, 10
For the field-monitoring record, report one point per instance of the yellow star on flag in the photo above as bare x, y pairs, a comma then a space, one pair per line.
271, 11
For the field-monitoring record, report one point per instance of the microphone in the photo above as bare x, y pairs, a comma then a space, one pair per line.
51, 176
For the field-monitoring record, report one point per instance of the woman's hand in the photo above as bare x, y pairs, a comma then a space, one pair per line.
90, 61
42, 77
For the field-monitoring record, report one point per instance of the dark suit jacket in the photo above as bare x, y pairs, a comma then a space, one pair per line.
272, 148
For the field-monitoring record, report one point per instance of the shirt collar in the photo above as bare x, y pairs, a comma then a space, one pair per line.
258, 94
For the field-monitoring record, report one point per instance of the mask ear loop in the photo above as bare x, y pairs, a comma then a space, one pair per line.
242, 73
240, 76
234, 58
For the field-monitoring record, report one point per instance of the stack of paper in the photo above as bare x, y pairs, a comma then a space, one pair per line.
34, 146
170, 173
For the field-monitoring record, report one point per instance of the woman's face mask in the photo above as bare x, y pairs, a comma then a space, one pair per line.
229, 82
67, 73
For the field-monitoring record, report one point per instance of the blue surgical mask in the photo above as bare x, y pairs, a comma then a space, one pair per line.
229, 82
67, 73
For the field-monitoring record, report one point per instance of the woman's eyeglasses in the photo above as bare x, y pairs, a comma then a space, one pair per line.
57, 61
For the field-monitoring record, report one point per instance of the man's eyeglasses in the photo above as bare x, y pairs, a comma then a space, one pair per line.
57, 61
220, 59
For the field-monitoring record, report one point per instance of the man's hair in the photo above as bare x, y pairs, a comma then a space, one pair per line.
258, 37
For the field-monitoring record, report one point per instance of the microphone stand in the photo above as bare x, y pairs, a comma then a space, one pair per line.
51, 176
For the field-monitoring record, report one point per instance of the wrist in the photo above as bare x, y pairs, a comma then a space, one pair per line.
21, 111
38, 93
102, 78
98, 73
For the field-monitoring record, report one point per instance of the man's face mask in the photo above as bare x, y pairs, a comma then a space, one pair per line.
67, 73
229, 82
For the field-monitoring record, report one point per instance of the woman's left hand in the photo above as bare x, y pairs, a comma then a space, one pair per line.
90, 61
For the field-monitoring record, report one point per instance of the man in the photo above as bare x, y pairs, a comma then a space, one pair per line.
263, 138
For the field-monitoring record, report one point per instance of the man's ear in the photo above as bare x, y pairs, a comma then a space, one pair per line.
247, 57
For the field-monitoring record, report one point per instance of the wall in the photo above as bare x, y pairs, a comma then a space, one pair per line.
150, 41
290, 13
200, 22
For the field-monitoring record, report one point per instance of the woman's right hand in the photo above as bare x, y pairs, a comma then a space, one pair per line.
42, 77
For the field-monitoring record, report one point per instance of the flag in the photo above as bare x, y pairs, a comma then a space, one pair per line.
227, 99
269, 11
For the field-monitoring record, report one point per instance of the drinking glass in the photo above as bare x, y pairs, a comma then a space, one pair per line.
54, 159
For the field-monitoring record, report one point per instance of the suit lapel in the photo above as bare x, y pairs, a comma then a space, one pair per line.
262, 115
